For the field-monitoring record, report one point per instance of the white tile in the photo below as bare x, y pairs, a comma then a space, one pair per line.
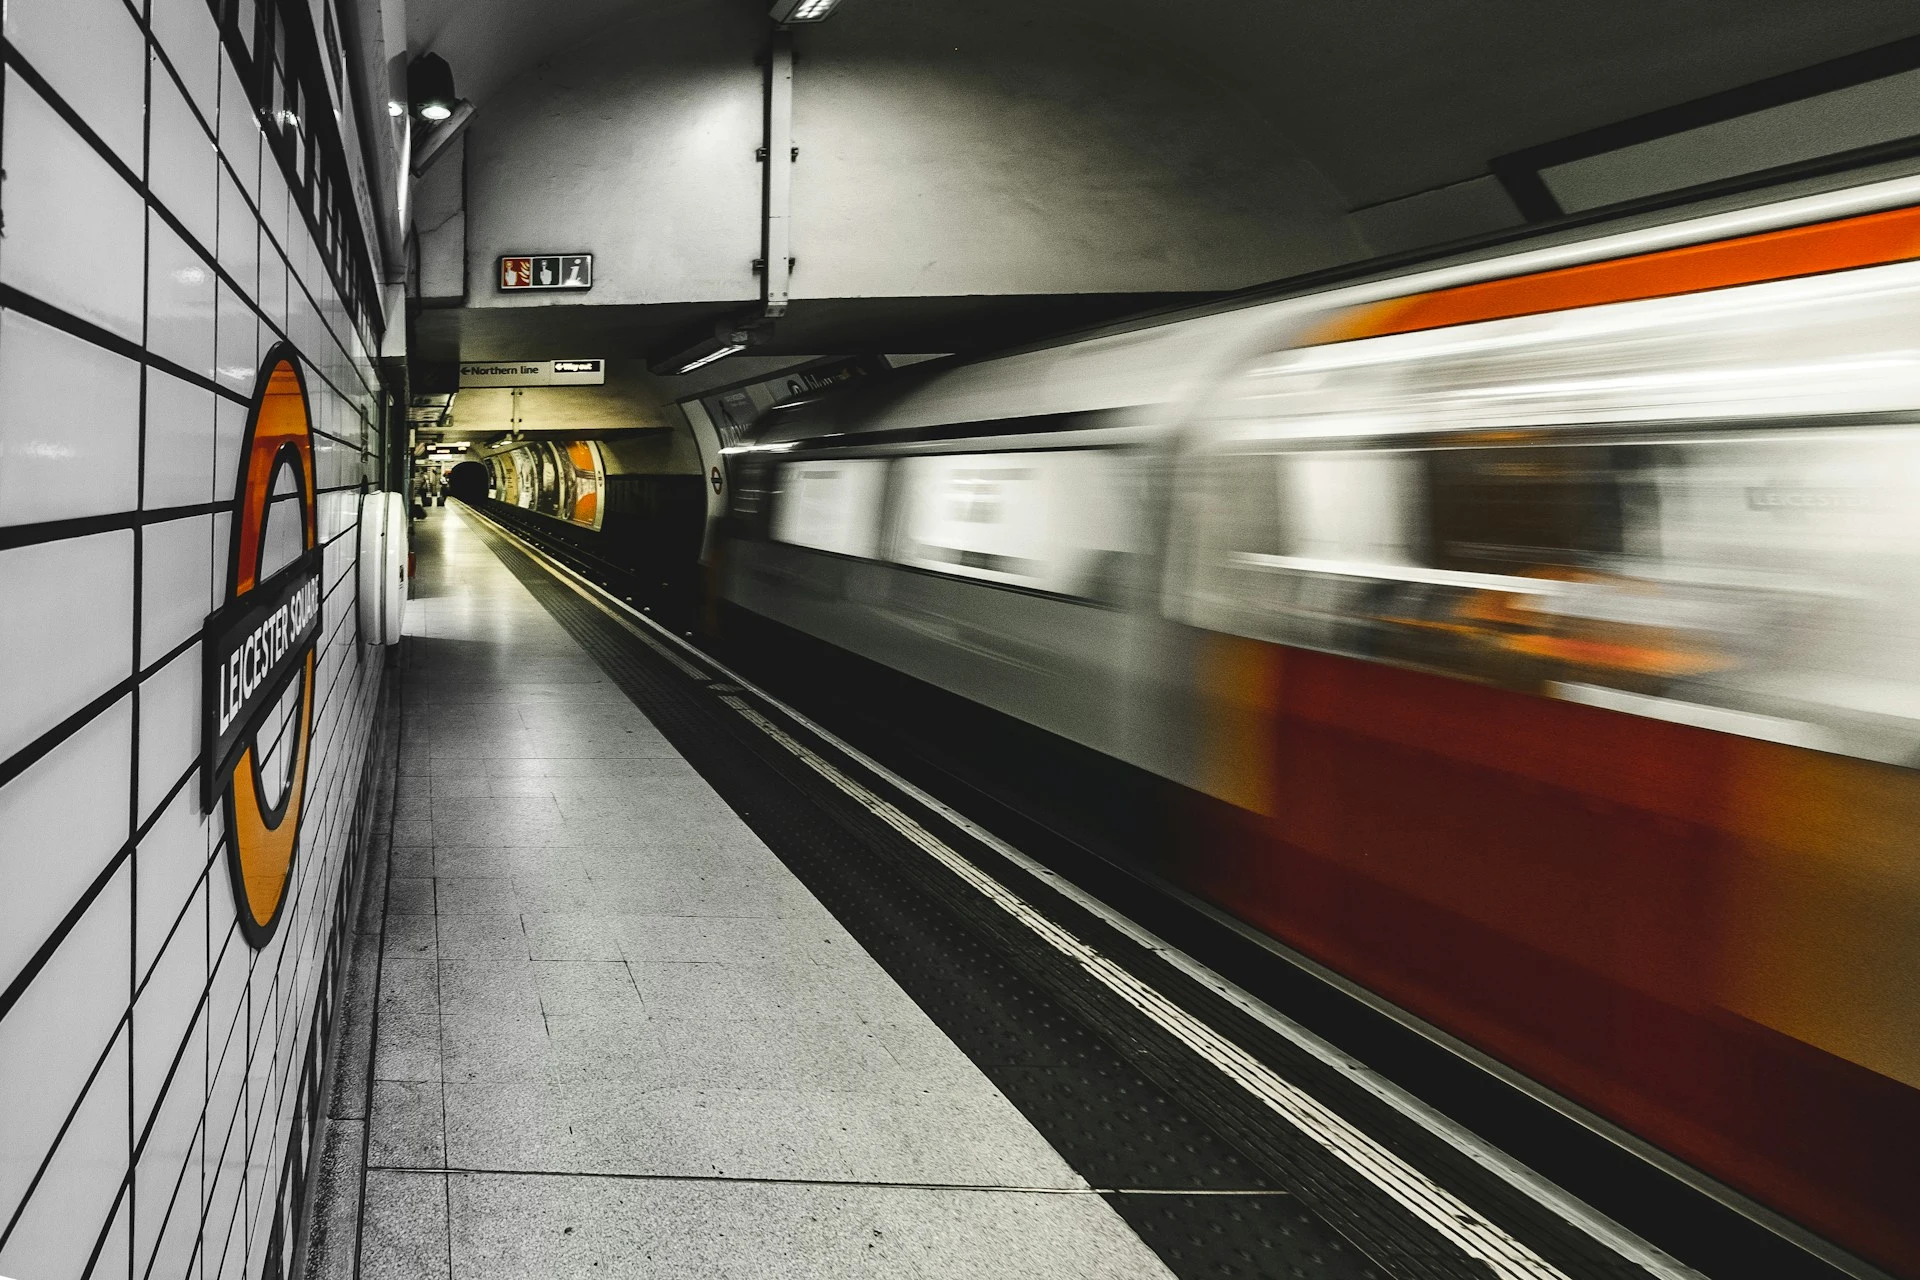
179, 301
58, 1226
185, 29
175, 596
52, 1037
225, 1172
180, 443
73, 225
273, 287
169, 727
274, 200
232, 1263
69, 425
220, 572
230, 433
239, 129
168, 1192
162, 1016
114, 1256
60, 805
181, 160
239, 235
91, 53
237, 343
74, 654
172, 857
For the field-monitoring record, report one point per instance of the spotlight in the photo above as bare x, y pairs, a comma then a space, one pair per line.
430, 87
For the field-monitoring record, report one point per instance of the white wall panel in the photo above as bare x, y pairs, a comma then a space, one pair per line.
185, 30
52, 1039
91, 53
175, 595
72, 655
73, 225
69, 425
170, 860
180, 300
182, 160
56, 804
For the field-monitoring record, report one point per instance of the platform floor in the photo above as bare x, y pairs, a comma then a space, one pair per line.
617, 1037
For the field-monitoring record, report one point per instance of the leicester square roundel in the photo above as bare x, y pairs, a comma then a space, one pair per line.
260, 661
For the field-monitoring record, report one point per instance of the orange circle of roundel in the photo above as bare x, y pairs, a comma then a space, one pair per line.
262, 836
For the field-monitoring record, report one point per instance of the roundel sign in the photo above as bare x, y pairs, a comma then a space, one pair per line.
259, 681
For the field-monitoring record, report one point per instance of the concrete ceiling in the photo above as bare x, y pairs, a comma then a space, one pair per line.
1380, 98
1387, 97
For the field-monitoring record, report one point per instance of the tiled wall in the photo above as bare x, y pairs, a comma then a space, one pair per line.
149, 1057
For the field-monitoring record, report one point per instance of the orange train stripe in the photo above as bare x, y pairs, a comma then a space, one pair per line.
1866, 241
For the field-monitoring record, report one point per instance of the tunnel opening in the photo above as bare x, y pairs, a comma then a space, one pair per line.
468, 482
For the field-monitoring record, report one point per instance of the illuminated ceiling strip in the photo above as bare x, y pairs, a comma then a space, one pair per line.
1871, 240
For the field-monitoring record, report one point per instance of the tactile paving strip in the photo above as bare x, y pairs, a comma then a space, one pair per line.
1131, 1110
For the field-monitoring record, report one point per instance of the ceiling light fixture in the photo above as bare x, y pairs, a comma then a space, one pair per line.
785, 11
718, 353
430, 87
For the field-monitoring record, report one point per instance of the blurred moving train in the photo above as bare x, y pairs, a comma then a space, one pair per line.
1538, 638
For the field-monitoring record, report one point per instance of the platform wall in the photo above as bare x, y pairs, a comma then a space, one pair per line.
150, 1057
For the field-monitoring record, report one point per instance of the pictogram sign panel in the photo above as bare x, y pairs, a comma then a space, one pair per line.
546, 271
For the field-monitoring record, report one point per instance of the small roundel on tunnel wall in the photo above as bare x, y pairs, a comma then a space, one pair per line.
260, 652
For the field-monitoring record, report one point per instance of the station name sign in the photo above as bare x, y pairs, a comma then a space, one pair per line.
538, 271
533, 373
253, 646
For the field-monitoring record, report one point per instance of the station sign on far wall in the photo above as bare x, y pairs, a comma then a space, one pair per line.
535, 271
533, 373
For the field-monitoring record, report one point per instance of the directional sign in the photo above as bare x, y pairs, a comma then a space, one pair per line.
533, 373
546, 271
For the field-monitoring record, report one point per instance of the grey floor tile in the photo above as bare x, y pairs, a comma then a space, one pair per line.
407, 1048
462, 895
579, 988
506, 820
610, 1126
410, 935
490, 937
786, 1054
488, 986
405, 1131
571, 935
412, 861
518, 1228
509, 861
498, 1046
410, 896
765, 993
409, 985
405, 1232
555, 893
809, 941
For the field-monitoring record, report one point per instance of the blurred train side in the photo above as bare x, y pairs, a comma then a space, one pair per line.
1537, 638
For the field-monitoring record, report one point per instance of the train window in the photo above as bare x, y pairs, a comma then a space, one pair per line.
1513, 510
1063, 521
831, 505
